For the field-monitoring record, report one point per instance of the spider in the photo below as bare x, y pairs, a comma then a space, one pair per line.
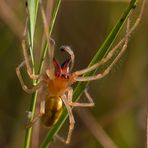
57, 79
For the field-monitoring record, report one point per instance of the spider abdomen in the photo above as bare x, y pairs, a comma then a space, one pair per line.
53, 110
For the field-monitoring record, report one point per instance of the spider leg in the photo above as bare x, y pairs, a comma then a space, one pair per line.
50, 41
78, 104
30, 121
108, 69
71, 119
112, 51
25, 88
103, 61
69, 104
71, 53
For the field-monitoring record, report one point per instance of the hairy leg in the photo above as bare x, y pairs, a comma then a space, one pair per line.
50, 41
108, 69
25, 88
71, 119
69, 104
112, 51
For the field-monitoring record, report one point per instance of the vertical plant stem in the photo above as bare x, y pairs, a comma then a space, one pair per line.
32, 12
31, 34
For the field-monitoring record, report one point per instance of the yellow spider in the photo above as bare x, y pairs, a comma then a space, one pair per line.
57, 79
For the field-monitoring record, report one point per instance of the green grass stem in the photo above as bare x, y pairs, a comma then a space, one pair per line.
33, 9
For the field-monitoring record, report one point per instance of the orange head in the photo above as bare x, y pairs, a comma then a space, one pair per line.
62, 78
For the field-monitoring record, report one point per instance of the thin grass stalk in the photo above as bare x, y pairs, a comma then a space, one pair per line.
31, 5
32, 14
98, 56
32, 10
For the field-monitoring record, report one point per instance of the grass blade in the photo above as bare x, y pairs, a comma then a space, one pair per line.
98, 56
33, 8
32, 14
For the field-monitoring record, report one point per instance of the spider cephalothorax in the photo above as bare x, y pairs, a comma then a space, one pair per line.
62, 78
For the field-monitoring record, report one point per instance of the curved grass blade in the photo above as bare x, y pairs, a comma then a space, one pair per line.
98, 56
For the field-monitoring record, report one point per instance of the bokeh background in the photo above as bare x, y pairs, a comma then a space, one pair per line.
120, 98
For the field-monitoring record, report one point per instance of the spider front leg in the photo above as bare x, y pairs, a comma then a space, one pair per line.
108, 69
50, 42
25, 88
27, 63
112, 51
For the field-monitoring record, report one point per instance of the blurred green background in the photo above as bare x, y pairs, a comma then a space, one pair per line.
120, 98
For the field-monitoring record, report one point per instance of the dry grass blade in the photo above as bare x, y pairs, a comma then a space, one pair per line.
96, 129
